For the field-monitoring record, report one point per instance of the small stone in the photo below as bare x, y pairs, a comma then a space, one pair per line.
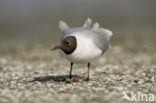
136, 80
144, 74
141, 81
68, 80
146, 79
76, 79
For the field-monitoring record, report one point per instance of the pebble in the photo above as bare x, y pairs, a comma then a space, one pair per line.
74, 79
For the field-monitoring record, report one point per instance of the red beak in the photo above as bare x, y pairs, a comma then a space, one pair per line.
56, 47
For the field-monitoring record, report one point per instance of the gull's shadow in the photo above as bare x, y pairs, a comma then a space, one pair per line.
57, 78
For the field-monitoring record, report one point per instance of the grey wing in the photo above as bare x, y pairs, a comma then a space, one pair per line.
101, 39
64, 29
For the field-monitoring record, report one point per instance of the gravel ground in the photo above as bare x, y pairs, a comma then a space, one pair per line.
31, 73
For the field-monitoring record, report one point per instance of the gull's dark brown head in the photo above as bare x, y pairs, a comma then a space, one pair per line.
68, 45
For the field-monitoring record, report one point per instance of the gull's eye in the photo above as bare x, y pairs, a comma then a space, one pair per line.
68, 42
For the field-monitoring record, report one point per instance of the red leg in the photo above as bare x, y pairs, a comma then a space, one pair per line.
87, 79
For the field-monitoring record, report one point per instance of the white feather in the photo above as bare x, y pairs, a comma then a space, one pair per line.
106, 31
87, 24
63, 26
95, 26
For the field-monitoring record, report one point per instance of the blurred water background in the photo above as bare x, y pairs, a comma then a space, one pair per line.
33, 21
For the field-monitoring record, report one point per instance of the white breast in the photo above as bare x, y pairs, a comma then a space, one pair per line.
85, 52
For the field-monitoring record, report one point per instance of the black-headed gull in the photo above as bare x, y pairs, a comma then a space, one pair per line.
83, 44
